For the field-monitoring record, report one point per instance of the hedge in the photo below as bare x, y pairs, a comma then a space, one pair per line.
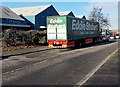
13, 37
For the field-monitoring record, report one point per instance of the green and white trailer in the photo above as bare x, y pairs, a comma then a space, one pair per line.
66, 31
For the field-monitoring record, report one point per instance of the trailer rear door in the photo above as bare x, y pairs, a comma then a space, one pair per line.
56, 28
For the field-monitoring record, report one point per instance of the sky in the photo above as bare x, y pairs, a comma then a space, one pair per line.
110, 8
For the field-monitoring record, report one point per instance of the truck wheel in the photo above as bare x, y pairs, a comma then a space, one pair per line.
77, 44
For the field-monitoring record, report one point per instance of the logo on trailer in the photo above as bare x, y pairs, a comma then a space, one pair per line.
55, 21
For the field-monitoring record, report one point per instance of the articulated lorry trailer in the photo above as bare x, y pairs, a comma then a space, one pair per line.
66, 31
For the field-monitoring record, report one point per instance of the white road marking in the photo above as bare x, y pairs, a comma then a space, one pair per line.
23, 67
92, 72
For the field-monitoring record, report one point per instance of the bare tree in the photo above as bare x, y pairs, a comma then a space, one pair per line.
97, 16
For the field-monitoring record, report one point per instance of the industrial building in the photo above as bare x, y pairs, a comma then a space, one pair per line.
66, 13
30, 17
36, 15
10, 20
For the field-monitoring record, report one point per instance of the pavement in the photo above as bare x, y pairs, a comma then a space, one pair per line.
6, 54
24, 51
107, 75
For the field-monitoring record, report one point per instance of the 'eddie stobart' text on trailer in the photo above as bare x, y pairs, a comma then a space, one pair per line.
66, 31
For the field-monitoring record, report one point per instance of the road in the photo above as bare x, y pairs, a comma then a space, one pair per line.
55, 67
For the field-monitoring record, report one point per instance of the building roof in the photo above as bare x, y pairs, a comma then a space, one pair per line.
9, 14
30, 11
15, 25
80, 16
64, 13
115, 30
91, 19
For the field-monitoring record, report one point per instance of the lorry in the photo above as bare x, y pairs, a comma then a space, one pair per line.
67, 31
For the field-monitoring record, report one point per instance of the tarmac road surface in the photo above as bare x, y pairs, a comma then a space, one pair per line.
61, 68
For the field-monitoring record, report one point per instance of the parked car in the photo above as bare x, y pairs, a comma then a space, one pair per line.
117, 36
112, 37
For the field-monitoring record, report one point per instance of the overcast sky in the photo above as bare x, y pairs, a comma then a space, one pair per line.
110, 7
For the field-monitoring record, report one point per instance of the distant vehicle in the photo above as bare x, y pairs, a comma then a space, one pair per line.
111, 37
105, 38
66, 31
117, 36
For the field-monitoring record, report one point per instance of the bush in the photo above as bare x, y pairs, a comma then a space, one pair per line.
12, 37
9, 37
